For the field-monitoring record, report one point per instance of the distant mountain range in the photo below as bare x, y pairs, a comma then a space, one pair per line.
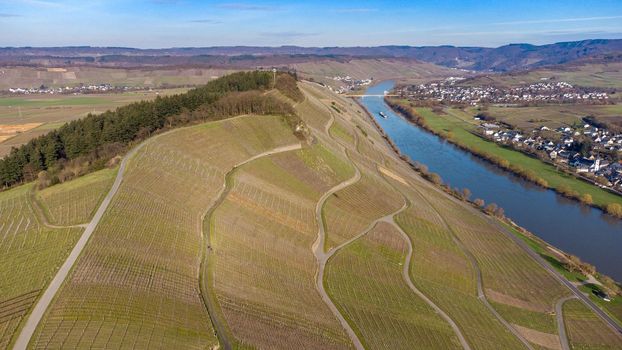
502, 59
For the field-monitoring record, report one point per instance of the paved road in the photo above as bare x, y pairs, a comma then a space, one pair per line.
209, 298
44, 301
561, 327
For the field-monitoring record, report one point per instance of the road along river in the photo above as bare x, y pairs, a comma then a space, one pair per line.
575, 228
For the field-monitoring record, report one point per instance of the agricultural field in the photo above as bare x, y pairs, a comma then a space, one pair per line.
74, 202
458, 130
552, 116
602, 75
27, 77
365, 281
586, 330
263, 270
30, 255
526, 292
25, 117
136, 283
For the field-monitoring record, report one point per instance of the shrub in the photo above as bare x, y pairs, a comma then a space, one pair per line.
479, 202
614, 209
586, 198
491, 208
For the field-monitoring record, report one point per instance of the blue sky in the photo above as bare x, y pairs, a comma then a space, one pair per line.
178, 23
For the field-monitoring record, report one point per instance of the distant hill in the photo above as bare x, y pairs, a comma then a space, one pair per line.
502, 59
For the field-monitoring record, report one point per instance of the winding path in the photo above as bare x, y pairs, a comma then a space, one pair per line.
561, 327
36, 207
323, 257
44, 301
207, 293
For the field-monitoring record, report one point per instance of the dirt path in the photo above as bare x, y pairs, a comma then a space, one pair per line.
207, 293
44, 301
406, 277
40, 214
561, 327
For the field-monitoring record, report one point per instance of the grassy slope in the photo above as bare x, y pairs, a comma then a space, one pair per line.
365, 281
460, 132
30, 254
74, 202
137, 280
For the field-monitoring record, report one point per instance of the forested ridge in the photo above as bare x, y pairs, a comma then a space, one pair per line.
88, 143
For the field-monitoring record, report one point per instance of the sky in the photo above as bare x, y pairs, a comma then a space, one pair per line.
193, 23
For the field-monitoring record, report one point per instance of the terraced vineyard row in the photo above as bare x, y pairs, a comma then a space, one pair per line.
349, 211
264, 268
364, 279
75, 202
586, 330
30, 254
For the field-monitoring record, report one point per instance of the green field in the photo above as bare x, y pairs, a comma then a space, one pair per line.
137, 280
460, 132
602, 75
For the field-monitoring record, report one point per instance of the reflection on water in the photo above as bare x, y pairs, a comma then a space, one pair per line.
575, 228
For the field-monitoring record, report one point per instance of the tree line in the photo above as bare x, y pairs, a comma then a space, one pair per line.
88, 143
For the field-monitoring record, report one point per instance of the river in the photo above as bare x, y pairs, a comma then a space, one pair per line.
575, 228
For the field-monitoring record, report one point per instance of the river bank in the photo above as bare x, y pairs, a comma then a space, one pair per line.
528, 168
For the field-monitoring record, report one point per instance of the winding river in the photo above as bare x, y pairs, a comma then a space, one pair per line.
568, 225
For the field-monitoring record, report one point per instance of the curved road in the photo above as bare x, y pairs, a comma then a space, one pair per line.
209, 298
561, 327
44, 301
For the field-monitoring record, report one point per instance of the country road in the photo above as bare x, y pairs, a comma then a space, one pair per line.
44, 301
